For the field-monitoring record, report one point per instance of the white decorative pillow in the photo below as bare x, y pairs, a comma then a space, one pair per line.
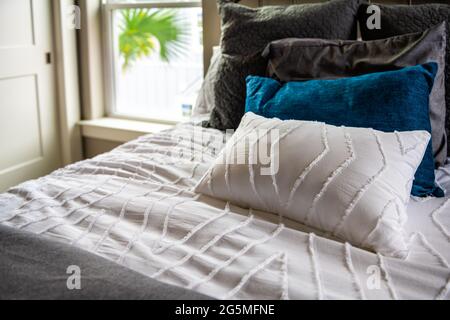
353, 183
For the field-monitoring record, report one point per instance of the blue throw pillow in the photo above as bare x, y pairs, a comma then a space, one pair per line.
386, 101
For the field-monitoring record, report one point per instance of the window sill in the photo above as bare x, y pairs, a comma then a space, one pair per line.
119, 130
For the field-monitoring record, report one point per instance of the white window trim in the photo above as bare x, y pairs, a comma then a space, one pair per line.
108, 43
118, 130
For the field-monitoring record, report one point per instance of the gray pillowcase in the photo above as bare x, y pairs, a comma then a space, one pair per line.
305, 59
400, 19
247, 31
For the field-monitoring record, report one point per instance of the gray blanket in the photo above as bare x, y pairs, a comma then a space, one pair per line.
34, 267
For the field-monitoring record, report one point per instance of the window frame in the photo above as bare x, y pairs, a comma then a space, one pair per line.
108, 50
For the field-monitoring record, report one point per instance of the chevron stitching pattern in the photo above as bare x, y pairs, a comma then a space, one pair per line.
250, 165
386, 276
430, 248
437, 223
227, 165
167, 217
273, 150
252, 272
207, 246
364, 243
404, 150
334, 174
351, 269
299, 187
361, 191
194, 230
443, 293
307, 170
245, 249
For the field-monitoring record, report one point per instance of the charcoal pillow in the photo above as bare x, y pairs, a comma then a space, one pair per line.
247, 31
386, 101
398, 19
304, 59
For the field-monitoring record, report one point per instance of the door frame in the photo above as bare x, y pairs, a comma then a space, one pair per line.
67, 80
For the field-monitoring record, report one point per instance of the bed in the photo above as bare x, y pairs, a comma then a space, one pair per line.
135, 206
133, 212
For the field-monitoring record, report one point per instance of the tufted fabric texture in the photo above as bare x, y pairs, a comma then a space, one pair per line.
134, 205
351, 182
305, 59
247, 31
397, 20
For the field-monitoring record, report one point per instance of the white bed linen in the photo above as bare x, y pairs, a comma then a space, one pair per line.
135, 206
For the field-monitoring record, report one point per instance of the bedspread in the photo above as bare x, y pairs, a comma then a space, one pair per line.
135, 205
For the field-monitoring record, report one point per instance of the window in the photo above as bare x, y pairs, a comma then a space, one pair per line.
154, 58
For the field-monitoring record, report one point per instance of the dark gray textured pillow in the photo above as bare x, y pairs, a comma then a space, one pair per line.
304, 59
398, 19
247, 31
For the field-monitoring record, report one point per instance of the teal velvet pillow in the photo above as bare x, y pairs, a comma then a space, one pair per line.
386, 101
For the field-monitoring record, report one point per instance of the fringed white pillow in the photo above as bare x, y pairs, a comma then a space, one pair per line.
353, 183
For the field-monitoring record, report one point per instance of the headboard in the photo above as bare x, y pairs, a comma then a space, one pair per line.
211, 20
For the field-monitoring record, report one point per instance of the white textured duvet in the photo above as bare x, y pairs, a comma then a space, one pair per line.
135, 205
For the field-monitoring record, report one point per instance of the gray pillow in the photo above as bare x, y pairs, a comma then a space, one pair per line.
247, 31
304, 59
398, 19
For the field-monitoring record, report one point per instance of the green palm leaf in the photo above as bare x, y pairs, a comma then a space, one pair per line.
142, 28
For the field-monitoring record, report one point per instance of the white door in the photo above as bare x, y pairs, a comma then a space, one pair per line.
29, 135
